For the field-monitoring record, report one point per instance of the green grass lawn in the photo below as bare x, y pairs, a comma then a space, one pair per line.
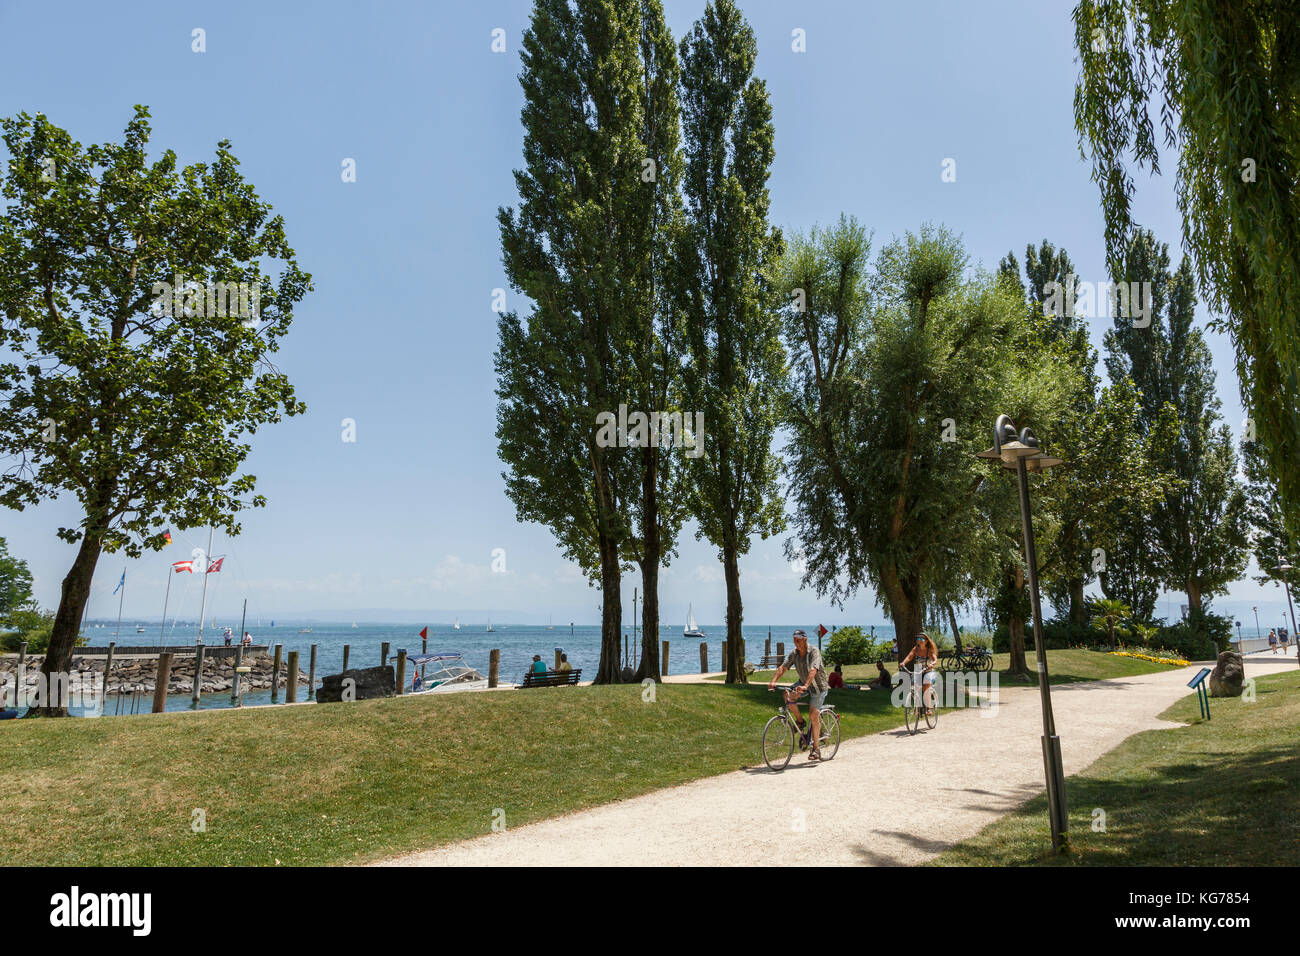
349, 782
1064, 667
1215, 793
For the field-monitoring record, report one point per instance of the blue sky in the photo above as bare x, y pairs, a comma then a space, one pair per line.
399, 333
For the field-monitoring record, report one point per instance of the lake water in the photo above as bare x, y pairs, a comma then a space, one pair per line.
517, 643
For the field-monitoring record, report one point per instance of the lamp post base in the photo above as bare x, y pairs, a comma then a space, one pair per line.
1057, 811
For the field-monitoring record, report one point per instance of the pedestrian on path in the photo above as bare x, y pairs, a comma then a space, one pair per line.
1272, 639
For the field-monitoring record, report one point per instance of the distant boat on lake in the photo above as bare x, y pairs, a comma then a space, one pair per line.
692, 629
456, 626
490, 628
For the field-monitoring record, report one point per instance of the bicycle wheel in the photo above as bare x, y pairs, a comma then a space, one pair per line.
828, 741
911, 716
778, 742
987, 662
931, 708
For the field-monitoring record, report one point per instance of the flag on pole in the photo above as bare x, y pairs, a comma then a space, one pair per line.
168, 535
179, 566
425, 633
216, 565
821, 630
122, 583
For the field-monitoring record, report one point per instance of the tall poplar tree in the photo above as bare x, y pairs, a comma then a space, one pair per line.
731, 328
1196, 532
1224, 79
579, 248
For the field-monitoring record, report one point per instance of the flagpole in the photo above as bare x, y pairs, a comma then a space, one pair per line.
207, 562
119, 604
162, 628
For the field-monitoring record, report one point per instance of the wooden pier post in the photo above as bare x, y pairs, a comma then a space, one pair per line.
198, 674
401, 670
383, 654
767, 645
160, 682
663, 662
108, 666
347, 648
20, 683
557, 660
780, 650
494, 666
275, 674
311, 675
704, 657
291, 688
234, 683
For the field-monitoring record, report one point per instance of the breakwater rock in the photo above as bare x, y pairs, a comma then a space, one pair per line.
132, 674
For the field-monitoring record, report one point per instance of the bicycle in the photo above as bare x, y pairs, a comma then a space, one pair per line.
781, 732
970, 659
912, 703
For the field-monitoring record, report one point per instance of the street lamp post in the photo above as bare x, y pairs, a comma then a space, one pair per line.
1256, 610
1287, 569
1021, 453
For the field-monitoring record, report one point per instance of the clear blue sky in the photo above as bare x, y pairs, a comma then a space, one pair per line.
399, 333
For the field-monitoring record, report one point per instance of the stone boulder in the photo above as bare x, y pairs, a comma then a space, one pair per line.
371, 682
1225, 680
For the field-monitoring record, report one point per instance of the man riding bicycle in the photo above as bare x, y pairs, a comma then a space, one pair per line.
812, 678
925, 651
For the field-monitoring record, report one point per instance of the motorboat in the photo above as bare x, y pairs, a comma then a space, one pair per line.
443, 674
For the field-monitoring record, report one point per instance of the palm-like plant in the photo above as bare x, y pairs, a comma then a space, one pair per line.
1106, 614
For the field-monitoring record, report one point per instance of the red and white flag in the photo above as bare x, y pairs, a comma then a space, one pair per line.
821, 630
179, 566
215, 565
425, 633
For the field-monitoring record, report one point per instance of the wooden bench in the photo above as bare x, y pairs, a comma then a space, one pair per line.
771, 660
551, 678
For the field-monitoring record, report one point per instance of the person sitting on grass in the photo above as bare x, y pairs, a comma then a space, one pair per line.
812, 678
884, 680
836, 678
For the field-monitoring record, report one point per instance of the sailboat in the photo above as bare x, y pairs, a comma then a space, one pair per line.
490, 628
456, 626
354, 624
549, 627
692, 629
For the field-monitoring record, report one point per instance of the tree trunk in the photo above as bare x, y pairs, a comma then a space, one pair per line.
952, 621
1193, 596
1019, 667
735, 616
1078, 606
651, 553
903, 595
611, 614
67, 623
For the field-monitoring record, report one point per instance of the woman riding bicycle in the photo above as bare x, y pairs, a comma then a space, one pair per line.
925, 651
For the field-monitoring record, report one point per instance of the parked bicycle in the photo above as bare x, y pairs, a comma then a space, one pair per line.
920, 700
970, 659
781, 733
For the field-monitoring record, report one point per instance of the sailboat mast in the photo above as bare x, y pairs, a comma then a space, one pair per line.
207, 560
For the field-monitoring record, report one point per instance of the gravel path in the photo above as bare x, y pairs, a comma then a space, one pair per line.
887, 799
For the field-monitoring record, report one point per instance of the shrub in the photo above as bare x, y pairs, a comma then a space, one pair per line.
31, 625
848, 646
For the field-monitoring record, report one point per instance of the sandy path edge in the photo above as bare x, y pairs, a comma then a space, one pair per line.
977, 765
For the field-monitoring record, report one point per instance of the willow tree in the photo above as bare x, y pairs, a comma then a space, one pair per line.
580, 248
1224, 79
732, 332
133, 297
898, 374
